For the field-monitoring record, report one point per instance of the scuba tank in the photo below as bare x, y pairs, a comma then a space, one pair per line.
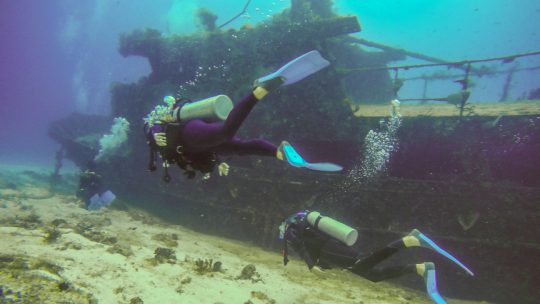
211, 109
333, 228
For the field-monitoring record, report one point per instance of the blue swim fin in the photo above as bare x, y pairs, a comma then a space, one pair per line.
430, 278
100, 201
93, 202
428, 243
295, 160
299, 68
107, 197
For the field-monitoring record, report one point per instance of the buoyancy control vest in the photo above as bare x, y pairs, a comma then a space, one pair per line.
174, 153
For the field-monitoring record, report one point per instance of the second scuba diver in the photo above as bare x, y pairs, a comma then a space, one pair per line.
91, 189
323, 242
194, 144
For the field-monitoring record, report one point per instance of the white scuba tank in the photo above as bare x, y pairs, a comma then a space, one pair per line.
333, 228
210, 109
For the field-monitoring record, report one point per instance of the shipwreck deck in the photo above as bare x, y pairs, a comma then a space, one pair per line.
516, 108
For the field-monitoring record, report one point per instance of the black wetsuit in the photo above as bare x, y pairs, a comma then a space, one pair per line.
90, 183
318, 249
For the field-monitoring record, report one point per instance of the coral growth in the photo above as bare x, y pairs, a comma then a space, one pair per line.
136, 300
164, 255
31, 221
206, 266
249, 272
52, 235
111, 143
90, 232
121, 249
31, 280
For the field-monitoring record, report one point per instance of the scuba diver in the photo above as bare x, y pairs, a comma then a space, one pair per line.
193, 134
323, 242
91, 190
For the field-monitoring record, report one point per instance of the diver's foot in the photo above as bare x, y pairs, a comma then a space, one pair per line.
415, 238
269, 84
280, 154
427, 272
286, 152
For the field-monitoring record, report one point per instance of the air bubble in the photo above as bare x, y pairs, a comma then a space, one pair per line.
378, 148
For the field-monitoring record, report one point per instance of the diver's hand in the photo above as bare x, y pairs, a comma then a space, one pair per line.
223, 169
161, 139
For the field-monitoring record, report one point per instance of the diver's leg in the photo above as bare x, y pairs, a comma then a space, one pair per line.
417, 239
238, 114
366, 264
414, 239
377, 274
335, 253
245, 105
425, 270
247, 147
200, 135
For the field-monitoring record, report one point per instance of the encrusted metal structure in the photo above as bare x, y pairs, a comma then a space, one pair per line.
468, 183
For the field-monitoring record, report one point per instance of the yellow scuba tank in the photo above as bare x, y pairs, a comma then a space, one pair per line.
211, 109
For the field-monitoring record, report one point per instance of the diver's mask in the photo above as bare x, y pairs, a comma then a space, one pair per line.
293, 219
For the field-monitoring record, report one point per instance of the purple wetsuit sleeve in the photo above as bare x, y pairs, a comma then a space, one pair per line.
199, 135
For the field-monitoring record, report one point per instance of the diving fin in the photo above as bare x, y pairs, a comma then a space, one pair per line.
107, 197
295, 160
428, 243
431, 283
100, 201
299, 68
93, 201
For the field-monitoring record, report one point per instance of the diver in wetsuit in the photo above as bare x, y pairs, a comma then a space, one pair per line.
195, 144
323, 242
90, 183
91, 189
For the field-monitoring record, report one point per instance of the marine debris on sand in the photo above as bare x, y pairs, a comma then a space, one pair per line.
102, 257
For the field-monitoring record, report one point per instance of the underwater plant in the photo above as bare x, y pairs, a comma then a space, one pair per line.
52, 235
164, 255
111, 143
249, 272
207, 266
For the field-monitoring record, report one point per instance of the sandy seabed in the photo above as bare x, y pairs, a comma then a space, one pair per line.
54, 251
